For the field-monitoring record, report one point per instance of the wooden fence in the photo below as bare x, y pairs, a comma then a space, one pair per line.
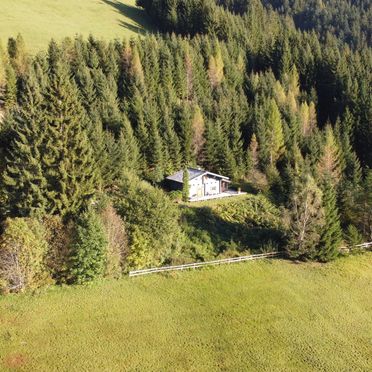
230, 260
207, 263
356, 247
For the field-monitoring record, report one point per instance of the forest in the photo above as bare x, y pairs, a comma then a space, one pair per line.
274, 94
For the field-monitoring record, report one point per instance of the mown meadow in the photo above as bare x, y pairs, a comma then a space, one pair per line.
39, 21
263, 315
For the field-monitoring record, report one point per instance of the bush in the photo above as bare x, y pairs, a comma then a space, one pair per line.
353, 237
149, 216
89, 248
117, 241
59, 237
255, 210
23, 248
142, 254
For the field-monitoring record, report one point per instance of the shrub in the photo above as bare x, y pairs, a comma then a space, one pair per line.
353, 237
117, 241
23, 248
254, 210
142, 254
148, 210
89, 247
59, 236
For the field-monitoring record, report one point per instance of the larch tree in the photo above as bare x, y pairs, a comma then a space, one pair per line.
216, 67
273, 137
329, 164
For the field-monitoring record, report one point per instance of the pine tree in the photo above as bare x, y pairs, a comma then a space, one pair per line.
67, 157
23, 178
331, 236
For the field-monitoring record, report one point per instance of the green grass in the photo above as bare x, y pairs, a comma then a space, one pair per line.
39, 21
259, 316
230, 225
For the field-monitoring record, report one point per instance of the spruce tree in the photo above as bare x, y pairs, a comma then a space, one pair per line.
3, 63
275, 133
89, 249
23, 177
68, 160
10, 95
331, 236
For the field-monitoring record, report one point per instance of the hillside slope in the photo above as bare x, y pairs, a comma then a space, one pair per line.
39, 21
273, 315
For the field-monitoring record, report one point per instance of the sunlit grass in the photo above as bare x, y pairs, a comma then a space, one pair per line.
39, 21
267, 315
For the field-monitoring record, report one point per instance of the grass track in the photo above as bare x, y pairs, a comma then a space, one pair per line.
40, 20
267, 315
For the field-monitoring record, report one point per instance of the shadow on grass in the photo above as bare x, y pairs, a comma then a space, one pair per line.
203, 224
142, 23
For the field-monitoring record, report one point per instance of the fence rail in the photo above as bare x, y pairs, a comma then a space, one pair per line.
358, 246
207, 263
229, 260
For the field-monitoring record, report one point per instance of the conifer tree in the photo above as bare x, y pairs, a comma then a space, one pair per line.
155, 155
68, 161
252, 154
198, 139
185, 185
329, 165
306, 218
131, 156
3, 63
270, 134
216, 67
23, 178
185, 130
18, 55
10, 96
89, 249
331, 237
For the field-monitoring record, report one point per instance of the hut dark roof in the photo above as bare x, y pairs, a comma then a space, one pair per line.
193, 173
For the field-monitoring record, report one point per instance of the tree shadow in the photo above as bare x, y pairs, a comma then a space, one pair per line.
201, 222
142, 23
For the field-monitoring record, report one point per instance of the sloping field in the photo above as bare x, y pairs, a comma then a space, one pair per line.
40, 20
260, 316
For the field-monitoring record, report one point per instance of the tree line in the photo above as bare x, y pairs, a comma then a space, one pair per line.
91, 128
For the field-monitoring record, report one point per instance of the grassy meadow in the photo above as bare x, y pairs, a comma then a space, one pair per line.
39, 21
264, 315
